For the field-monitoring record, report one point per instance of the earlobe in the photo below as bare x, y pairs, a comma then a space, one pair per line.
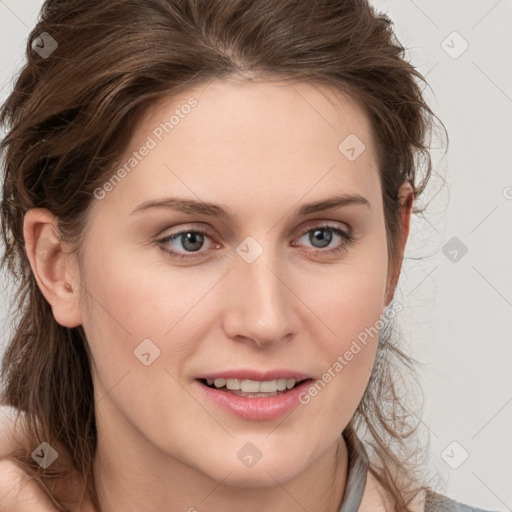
406, 200
52, 266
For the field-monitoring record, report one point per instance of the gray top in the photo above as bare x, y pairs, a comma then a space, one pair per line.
356, 482
438, 503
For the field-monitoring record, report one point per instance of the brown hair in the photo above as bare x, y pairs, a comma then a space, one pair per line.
71, 115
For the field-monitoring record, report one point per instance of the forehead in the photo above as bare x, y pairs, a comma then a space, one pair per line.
272, 139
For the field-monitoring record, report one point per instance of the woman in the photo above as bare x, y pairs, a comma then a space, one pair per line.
206, 205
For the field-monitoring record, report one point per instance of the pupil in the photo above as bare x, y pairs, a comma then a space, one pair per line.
325, 240
196, 239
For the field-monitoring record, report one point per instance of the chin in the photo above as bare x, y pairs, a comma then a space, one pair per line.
260, 475
232, 470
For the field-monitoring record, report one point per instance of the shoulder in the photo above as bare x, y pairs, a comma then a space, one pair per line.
435, 502
375, 499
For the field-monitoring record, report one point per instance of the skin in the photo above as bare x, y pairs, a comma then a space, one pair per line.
261, 150
19, 492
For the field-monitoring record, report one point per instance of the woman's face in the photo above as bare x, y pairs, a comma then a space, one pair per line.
262, 292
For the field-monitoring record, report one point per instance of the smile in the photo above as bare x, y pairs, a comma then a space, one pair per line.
253, 388
254, 400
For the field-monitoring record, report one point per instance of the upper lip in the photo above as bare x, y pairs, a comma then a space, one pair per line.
251, 374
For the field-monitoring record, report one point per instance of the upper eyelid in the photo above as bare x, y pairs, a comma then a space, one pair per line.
296, 232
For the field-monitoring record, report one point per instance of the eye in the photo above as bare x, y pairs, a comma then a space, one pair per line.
185, 243
190, 240
322, 236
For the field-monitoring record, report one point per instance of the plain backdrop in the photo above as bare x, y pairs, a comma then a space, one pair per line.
456, 282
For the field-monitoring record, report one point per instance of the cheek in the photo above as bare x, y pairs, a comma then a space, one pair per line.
348, 358
140, 314
141, 297
137, 315
348, 298
349, 304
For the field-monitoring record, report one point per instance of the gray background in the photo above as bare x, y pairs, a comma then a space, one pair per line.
458, 308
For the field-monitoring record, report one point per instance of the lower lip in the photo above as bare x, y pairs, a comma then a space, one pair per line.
261, 408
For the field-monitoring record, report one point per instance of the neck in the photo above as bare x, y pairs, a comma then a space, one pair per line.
131, 474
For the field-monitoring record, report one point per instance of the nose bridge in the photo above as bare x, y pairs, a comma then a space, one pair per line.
260, 306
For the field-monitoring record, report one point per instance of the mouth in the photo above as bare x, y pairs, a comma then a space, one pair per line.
253, 388
254, 394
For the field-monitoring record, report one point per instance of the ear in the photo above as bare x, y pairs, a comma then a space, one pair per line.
55, 269
406, 200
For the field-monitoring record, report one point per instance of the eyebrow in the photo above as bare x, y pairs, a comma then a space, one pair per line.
191, 206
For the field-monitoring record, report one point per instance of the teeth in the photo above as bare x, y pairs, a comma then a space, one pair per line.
281, 384
219, 383
268, 386
290, 383
250, 386
232, 384
253, 386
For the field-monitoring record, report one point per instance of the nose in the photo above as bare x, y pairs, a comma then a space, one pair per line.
261, 306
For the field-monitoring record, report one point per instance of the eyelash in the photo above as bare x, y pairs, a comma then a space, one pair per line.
347, 236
